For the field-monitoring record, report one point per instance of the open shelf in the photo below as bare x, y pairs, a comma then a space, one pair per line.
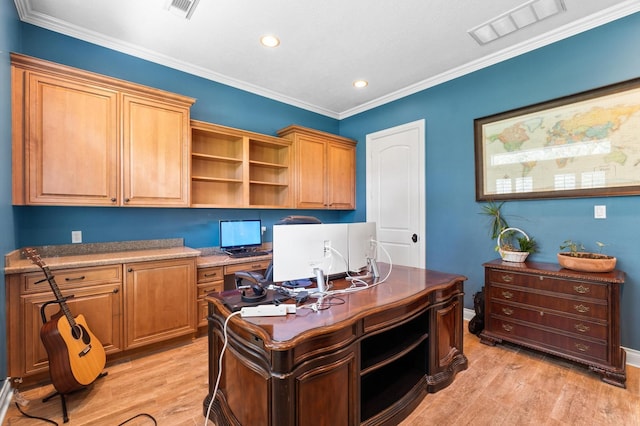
236, 168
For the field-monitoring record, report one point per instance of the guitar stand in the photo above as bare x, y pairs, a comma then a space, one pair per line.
63, 401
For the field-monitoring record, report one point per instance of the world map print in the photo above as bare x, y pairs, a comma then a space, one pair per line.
589, 144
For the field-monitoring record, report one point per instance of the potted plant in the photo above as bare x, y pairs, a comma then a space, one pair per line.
578, 259
512, 248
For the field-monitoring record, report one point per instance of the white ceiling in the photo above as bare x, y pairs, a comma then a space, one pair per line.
399, 46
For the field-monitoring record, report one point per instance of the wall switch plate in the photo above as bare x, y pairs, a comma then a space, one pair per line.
76, 237
600, 212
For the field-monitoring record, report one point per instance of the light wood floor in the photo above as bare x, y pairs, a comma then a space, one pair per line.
504, 385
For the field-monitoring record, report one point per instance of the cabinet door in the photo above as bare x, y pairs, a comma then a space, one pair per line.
100, 306
160, 301
156, 153
72, 146
311, 173
341, 176
446, 351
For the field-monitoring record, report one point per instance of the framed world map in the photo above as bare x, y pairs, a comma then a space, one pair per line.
583, 145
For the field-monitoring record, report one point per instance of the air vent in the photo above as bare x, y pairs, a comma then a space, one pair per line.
183, 8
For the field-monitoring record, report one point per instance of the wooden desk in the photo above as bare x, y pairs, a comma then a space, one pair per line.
368, 361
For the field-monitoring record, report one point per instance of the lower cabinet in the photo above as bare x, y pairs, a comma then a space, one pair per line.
125, 306
159, 301
210, 279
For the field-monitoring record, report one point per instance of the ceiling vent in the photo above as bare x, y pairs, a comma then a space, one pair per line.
182, 8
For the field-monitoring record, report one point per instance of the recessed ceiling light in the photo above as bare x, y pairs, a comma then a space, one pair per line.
360, 83
269, 41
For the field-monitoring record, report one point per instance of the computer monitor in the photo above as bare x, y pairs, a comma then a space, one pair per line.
362, 245
298, 250
238, 235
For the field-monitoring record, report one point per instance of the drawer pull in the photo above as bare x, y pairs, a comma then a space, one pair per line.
581, 347
80, 278
581, 289
507, 294
212, 274
507, 278
507, 311
581, 308
507, 327
582, 328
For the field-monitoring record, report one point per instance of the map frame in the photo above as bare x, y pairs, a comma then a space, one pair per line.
486, 131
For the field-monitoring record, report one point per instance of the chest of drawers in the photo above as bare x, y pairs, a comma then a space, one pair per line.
569, 314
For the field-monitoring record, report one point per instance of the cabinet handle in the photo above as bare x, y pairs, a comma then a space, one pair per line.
507, 311
212, 274
581, 289
113, 200
507, 278
130, 270
507, 327
581, 308
582, 328
581, 347
126, 200
507, 294
116, 290
80, 278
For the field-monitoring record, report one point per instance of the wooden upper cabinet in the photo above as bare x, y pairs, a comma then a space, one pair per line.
72, 143
325, 169
156, 153
81, 138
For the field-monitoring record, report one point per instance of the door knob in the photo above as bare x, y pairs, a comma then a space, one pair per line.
414, 238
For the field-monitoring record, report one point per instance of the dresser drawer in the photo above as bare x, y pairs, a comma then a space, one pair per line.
543, 339
575, 306
578, 326
72, 278
249, 266
541, 282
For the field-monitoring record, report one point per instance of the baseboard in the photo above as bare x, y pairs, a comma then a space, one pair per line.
6, 393
633, 356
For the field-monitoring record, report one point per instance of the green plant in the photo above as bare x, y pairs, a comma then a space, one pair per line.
524, 244
497, 222
576, 249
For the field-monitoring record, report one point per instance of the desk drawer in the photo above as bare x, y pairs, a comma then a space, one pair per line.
256, 265
210, 274
575, 306
539, 282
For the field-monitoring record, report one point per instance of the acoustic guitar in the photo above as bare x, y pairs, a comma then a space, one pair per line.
76, 356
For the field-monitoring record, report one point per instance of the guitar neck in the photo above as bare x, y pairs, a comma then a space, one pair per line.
36, 259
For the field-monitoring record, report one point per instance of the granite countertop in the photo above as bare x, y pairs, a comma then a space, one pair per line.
95, 254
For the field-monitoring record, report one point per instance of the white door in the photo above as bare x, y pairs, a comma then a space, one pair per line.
396, 192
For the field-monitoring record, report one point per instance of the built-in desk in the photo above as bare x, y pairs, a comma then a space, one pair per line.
370, 360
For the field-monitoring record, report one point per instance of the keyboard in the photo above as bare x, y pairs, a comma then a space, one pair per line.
239, 254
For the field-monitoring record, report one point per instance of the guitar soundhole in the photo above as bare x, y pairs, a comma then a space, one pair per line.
78, 332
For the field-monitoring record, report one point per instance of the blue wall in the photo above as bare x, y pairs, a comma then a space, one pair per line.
9, 41
457, 235
457, 239
216, 103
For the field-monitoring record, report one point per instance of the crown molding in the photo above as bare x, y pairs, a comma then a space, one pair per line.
621, 10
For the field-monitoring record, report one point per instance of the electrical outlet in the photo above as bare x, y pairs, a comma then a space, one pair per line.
76, 237
600, 212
